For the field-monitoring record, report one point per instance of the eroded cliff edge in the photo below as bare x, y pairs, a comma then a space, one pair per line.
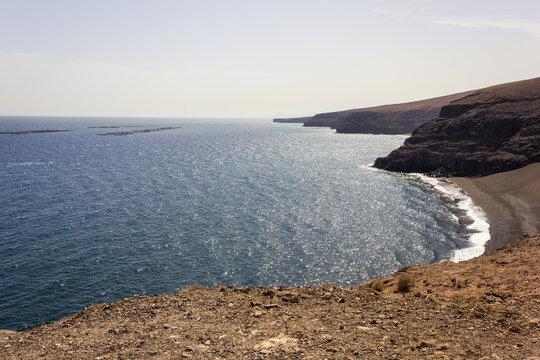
386, 119
492, 130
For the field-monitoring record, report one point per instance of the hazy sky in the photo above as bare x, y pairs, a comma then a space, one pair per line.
238, 58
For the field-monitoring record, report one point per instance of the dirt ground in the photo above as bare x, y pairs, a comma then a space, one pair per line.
485, 308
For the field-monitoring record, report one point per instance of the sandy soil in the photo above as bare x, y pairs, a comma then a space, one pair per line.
511, 200
485, 308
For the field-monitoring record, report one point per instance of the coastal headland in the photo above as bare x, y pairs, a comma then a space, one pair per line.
484, 308
386, 119
489, 131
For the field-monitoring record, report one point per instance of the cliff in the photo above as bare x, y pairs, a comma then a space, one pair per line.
488, 131
299, 120
386, 119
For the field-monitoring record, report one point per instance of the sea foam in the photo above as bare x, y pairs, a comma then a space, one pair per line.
478, 227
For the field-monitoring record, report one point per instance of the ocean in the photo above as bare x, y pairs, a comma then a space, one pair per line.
90, 218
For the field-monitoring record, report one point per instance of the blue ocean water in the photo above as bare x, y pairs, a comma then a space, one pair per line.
88, 219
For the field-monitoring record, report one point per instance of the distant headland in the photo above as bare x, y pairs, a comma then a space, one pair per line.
386, 119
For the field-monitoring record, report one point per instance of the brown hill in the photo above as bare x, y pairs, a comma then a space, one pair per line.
491, 130
386, 119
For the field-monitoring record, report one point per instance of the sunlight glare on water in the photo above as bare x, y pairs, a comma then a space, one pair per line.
88, 219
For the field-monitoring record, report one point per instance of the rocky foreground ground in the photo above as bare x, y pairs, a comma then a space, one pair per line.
485, 308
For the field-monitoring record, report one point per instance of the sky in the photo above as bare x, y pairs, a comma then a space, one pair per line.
255, 58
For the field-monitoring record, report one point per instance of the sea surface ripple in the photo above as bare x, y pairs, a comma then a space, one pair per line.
89, 219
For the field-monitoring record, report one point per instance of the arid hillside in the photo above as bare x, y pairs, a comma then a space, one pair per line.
485, 308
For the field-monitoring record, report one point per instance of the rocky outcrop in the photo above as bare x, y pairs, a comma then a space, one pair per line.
131, 132
392, 119
491, 130
387, 122
300, 120
30, 132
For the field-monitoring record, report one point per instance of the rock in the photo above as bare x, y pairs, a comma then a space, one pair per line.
200, 348
131, 132
425, 344
364, 328
386, 119
326, 296
288, 297
514, 329
279, 341
327, 337
270, 306
28, 132
292, 120
491, 130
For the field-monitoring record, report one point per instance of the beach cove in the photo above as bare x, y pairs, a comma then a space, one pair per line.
472, 309
264, 180
481, 308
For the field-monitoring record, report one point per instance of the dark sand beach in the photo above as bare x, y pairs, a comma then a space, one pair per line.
511, 201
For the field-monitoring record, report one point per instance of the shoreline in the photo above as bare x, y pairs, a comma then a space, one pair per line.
495, 294
467, 213
510, 200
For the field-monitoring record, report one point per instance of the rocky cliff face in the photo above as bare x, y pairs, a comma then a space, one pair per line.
491, 130
385, 119
385, 122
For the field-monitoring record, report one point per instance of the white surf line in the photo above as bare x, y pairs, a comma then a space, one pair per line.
479, 227
370, 167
